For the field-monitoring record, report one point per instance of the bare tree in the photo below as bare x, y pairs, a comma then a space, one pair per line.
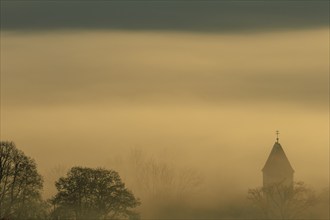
162, 185
157, 178
20, 185
282, 201
51, 176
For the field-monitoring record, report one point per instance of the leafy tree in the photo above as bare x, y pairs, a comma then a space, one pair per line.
20, 185
87, 193
282, 201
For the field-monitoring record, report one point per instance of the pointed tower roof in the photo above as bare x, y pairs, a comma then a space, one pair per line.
277, 160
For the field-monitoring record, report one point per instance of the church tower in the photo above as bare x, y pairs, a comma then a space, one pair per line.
277, 168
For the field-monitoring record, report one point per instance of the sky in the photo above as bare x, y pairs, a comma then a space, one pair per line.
207, 82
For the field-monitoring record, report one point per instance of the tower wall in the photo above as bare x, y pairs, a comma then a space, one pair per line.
271, 178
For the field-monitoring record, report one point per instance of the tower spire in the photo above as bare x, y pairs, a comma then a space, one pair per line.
277, 133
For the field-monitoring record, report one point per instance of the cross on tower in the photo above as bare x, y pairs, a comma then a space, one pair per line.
277, 133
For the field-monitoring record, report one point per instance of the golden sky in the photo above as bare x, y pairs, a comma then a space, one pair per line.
212, 100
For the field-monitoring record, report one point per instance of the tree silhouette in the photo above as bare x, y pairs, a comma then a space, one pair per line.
87, 193
20, 185
156, 178
159, 182
282, 201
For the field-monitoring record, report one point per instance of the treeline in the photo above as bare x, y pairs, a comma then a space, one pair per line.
167, 192
84, 193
